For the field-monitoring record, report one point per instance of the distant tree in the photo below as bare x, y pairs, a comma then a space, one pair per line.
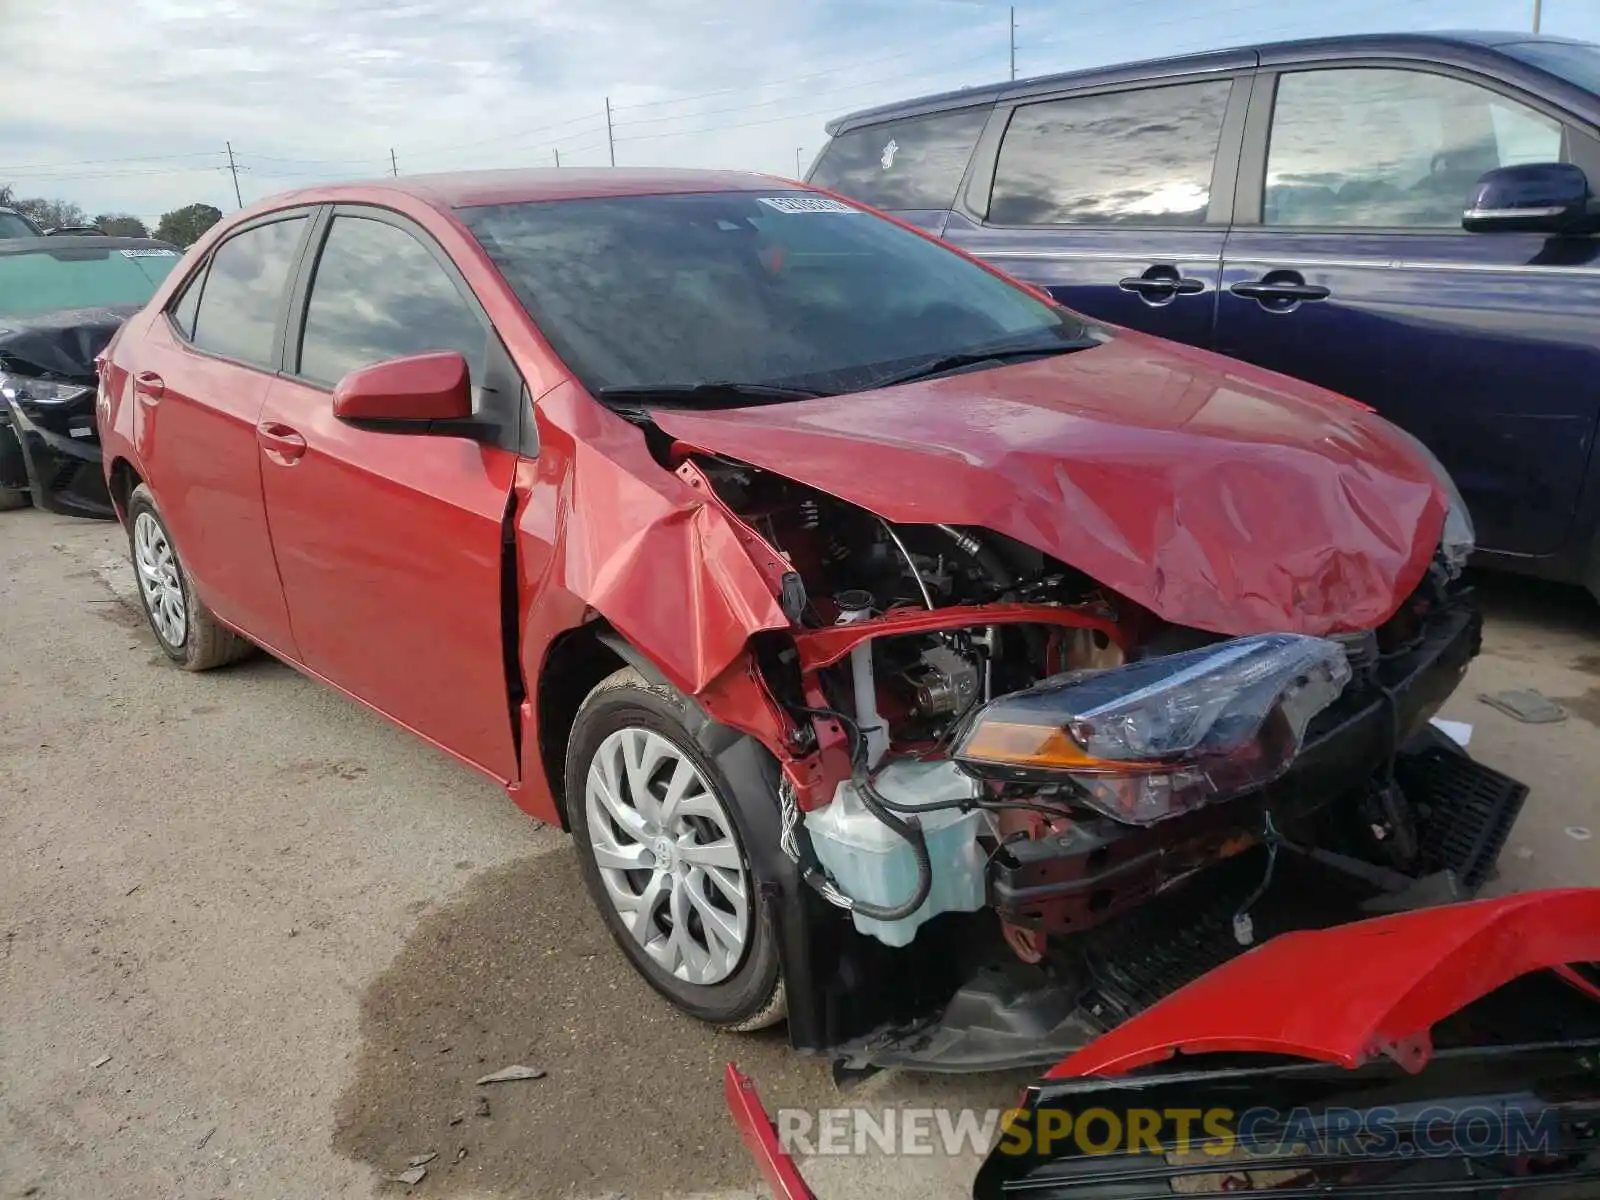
183, 226
121, 225
51, 214
7, 195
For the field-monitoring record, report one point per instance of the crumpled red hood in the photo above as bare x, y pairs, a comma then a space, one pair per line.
1216, 495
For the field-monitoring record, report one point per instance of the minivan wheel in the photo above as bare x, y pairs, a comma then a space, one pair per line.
188, 633
661, 846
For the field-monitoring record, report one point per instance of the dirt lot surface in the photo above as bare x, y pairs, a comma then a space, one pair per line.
256, 942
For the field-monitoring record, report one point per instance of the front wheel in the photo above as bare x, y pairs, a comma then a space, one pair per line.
661, 845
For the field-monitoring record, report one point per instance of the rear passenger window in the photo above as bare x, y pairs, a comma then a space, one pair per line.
379, 294
1125, 158
238, 313
911, 164
1385, 148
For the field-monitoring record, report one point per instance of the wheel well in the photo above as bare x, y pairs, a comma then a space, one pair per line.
123, 480
577, 661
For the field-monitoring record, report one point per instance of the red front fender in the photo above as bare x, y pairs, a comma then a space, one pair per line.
1346, 994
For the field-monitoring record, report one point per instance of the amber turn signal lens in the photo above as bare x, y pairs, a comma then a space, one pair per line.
1013, 744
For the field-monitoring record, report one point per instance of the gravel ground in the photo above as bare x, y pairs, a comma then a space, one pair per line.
256, 942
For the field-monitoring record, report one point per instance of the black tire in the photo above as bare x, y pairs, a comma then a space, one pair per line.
751, 997
206, 642
14, 498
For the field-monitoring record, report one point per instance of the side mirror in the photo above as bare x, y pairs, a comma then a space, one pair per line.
418, 388
1529, 198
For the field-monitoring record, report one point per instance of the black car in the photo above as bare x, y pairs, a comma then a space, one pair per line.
61, 299
17, 225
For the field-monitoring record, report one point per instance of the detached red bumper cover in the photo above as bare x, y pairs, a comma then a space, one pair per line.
1347, 994
1343, 996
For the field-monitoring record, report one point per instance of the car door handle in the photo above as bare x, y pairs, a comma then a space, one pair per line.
282, 444
1161, 283
149, 386
1276, 289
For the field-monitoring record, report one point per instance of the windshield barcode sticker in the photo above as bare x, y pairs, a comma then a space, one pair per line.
148, 253
805, 204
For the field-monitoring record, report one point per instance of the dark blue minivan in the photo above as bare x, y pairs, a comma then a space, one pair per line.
1404, 219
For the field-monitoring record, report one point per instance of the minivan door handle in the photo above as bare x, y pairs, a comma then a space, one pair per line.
1160, 284
1280, 291
282, 444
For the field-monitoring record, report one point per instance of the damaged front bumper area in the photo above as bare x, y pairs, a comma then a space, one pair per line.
1084, 921
1454, 1051
61, 452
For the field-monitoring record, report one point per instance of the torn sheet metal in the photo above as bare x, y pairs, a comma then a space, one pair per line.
1216, 499
640, 547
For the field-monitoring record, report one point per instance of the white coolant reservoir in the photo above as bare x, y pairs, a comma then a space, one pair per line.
872, 863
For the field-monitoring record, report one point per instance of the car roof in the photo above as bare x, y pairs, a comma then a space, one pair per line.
1233, 58
471, 189
86, 241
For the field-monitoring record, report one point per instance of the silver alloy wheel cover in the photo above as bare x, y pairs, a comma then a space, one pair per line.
665, 847
159, 579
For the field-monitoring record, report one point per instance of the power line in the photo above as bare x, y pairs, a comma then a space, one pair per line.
923, 72
68, 177
509, 137
95, 162
310, 161
915, 50
646, 137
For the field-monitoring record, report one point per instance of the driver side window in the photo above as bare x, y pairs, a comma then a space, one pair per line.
377, 294
1384, 148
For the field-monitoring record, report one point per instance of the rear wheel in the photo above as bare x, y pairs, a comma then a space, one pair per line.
188, 633
661, 844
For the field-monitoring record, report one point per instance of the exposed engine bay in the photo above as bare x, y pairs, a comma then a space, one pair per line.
998, 777
973, 745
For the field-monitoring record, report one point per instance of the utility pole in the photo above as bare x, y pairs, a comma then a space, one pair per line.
798, 169
611, 142
233, 169
556, 150
394, 167
1537, 5
1014, 35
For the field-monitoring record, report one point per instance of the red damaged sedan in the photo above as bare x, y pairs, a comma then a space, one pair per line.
908, 656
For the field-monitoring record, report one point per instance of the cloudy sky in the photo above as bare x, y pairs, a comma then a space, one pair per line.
145, 94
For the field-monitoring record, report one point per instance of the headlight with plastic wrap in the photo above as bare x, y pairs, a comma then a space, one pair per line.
1160, 737
25, 389
1459, 539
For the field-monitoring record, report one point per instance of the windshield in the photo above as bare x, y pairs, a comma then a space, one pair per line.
784, 288
1576, 62
13, 226
51, 279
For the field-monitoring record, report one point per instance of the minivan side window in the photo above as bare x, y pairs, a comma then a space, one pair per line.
238, 314
379, 294
1386, 148
911, 164
1121, 158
